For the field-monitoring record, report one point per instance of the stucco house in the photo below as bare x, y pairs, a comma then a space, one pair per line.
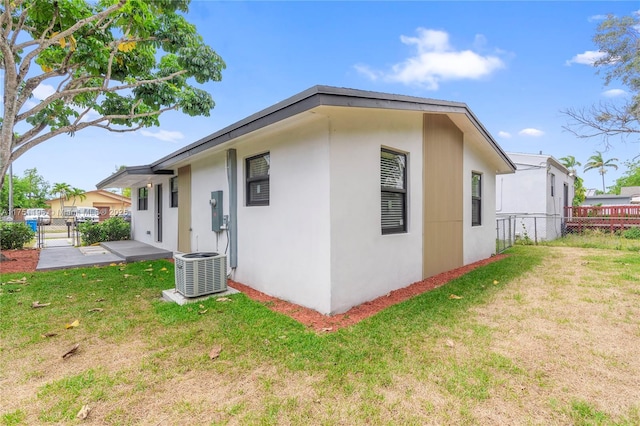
330, 198
108, 203
536, 194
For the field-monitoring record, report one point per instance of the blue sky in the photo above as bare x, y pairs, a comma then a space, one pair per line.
516, 64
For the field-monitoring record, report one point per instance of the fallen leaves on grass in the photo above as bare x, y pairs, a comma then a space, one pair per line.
215, 352
96, 310
50, 334
71, 351
223, 299
454, 296
22, 280
37, 304
84, 412
73, 324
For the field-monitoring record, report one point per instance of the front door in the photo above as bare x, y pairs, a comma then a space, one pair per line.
159, 213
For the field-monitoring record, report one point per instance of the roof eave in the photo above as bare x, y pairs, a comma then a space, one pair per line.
127, 176
304, 101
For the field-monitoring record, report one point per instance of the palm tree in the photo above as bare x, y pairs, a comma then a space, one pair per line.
597, 162
570, 163
62, 189
76, 193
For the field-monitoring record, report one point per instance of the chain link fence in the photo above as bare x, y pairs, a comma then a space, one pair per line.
528, 228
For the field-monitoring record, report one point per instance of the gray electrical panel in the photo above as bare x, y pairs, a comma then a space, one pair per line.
216, 211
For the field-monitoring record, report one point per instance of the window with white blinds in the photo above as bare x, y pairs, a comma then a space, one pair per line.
257, 169
476, 199
393, 191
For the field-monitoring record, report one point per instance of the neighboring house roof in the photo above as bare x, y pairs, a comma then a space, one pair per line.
314, 97
607, 199
525, 161
630, 191
114, 198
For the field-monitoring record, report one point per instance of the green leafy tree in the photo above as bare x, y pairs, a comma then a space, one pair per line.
29, 191
579, 190
111, 64
597, 162
617, 38
631, 177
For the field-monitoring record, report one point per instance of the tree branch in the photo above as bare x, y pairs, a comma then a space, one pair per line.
42, 43
23, 144
73, 92
604, 120
18, 27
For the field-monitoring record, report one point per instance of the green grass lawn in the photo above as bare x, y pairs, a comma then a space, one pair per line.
426, 360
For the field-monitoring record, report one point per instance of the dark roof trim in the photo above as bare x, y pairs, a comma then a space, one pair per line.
311, 98
141, 171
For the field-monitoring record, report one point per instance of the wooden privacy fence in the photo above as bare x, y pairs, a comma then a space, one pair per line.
612, 218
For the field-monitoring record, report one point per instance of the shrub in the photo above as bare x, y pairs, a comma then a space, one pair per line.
14, 235
632, 234
112, 229
116, 229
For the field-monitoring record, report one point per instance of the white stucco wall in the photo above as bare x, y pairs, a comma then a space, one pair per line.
364, 263
207, 175
479, 241
284, 248
144, 221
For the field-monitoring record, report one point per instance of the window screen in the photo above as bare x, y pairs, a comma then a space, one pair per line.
143, 198
393, 191
476, 199
258, 190
173, 186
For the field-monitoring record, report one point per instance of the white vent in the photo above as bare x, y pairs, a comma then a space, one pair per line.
198, 274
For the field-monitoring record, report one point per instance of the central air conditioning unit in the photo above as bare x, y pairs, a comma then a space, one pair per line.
198, 274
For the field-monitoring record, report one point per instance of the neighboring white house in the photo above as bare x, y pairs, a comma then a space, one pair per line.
536, 195
330, 198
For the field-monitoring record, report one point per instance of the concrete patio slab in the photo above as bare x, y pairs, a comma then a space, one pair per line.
133, 251
61, 257
71, 257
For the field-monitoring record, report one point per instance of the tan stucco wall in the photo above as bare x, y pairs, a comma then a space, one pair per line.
94, 199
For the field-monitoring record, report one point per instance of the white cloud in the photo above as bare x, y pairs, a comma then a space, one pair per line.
596, 18
91, 115
505, 135
531, 132
163, 135
613, 93
368, 72
436, 61
589, 57
43, 91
